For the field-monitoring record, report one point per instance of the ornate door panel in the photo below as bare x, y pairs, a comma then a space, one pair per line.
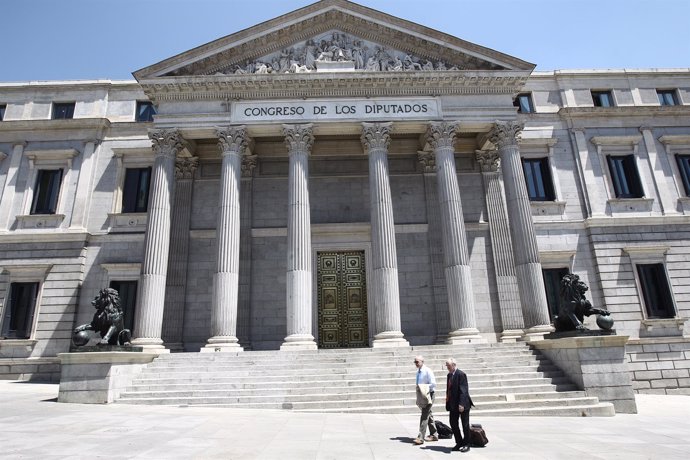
342, 300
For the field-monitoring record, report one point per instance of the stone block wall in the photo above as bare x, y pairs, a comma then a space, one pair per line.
660, 365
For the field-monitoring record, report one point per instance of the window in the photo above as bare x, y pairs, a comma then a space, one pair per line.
19, 313
624, 175
602, 98
46, 191
128, 300
135, 193
3, 107
145, 111
667, 97
538, 179
684, 170
655, 291
552, 283
523, 102
63, 110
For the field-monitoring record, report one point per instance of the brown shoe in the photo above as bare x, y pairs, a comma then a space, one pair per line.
431, 438
418, 441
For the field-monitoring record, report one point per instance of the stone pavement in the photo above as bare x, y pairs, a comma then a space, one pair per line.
34, 425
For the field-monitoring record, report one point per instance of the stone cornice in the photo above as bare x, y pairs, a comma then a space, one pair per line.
46, 130
627, 111
361, 84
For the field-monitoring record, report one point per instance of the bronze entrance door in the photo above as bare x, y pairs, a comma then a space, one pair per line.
342, 297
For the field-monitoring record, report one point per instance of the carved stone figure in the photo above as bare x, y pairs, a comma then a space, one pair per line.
336, 47
574, 305
108, 321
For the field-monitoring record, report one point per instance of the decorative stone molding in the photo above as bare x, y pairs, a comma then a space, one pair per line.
40, 221
185, 168
166, 142
505, 133
299, 138
248, 164
233, 139
441, 135
427, 160
489, 160
376, 136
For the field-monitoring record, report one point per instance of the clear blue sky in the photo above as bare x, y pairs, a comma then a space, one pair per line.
88, 39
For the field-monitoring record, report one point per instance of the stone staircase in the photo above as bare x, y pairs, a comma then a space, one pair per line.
504, 379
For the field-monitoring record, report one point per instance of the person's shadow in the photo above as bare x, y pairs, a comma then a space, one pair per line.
427, 445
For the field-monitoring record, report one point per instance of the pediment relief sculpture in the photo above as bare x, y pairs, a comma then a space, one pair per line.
336, 51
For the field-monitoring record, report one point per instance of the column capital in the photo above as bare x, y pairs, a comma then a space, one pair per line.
166, 142
488, 160
299, 138
376, 136
505, 133
233, 139
441, 134
185, 167
427, 160
248, 165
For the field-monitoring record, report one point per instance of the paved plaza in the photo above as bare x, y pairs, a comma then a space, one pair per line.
34, 425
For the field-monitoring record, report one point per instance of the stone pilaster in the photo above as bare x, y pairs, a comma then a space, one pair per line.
299, 140
463, 327
526, 252
82, 200
148, 320
233, 144
501, 247
173, 316
9, 192
438, 281
376, 138
244, 296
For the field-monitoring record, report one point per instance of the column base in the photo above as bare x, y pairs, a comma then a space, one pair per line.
222, 343
150, 345
390, 339
465, 335
512, 335
537, 332
299, 342
174, 347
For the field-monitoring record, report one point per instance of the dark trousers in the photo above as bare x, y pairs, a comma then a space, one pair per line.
464, 418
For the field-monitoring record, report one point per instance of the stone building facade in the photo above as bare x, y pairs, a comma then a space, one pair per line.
337, 177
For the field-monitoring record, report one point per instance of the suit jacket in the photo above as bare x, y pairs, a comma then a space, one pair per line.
458, 393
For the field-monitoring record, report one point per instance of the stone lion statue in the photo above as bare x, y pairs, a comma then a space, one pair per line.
108, 321
574, 305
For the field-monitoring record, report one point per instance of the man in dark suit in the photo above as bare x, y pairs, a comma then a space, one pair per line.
458, 403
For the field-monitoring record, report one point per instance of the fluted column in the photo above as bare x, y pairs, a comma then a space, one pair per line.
173, 316
463, 325
376, 138
244, 300
526, 252
435, 241
299, 140
233, 144
148, 320
501, 247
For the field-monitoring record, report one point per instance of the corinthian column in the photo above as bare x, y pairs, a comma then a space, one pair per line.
299, 140
376, 138
527, 266
233, 144
148, 320
173, 317
463, 327
501, 247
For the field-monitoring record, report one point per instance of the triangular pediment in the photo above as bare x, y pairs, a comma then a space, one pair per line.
333, 36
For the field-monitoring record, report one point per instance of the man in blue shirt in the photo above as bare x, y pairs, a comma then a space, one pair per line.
426, 375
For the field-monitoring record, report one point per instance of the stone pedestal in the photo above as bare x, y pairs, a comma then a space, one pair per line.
596, 364
98, 377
